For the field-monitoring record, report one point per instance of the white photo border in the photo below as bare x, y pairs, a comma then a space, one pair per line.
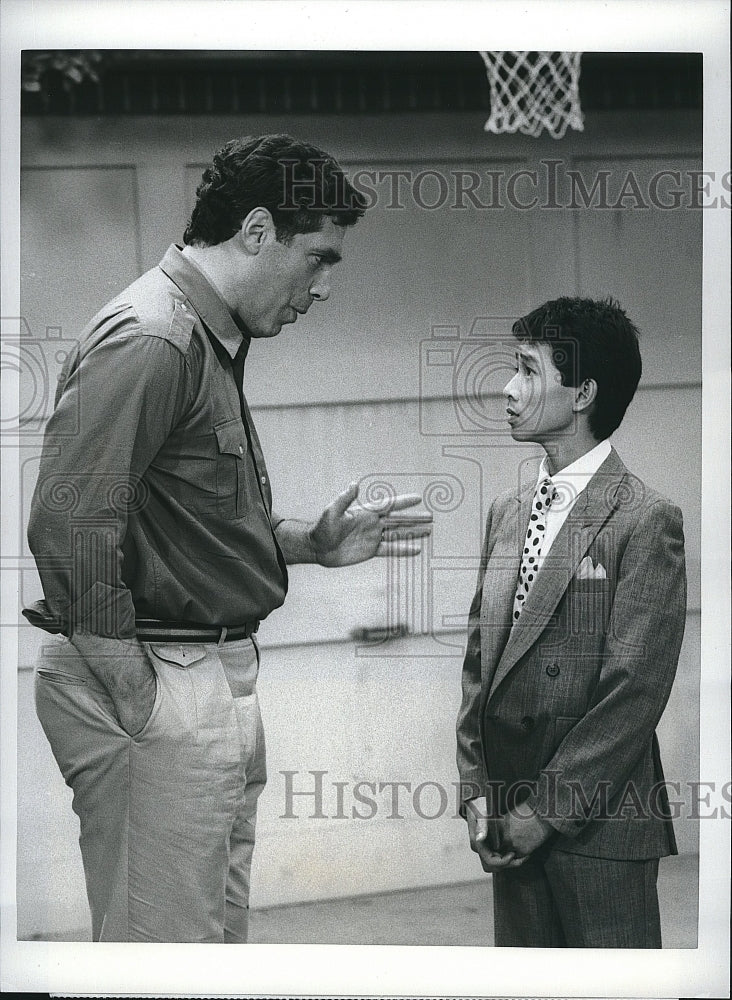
624, 25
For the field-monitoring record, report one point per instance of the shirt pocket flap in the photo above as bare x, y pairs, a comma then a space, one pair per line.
179, 654
231, 437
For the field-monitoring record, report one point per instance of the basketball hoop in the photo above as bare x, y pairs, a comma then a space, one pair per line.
531, 91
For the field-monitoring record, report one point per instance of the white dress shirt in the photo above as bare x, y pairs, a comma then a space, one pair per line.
569, 483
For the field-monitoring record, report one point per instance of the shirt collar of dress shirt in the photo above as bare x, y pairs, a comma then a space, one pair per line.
205, 299
577, 475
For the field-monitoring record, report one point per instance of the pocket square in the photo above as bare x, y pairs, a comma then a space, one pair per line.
588, 571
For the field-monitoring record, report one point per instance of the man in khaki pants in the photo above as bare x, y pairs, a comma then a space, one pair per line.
159, 554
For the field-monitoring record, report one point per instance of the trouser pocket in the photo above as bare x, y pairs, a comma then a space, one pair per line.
175, 713
75, 710
59, 676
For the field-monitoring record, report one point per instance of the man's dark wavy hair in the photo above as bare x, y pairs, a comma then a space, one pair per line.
590, 339
297, 182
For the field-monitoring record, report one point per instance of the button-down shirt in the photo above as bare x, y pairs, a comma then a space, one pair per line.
153, 499
568, 484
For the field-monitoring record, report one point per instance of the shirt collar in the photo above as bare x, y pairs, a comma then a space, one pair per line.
205, 299
578, 474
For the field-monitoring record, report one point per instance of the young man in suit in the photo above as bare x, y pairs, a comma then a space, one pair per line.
574, 638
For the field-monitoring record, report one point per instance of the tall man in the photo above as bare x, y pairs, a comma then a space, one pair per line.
159, 554
575, 631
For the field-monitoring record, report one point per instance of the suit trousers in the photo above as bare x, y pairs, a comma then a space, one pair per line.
562, 900
166, 817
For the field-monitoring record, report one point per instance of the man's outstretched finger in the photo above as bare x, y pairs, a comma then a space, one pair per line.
389, 504
412, 519
402, 547
394, 532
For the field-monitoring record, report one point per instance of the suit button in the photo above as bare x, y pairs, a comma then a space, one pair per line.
553, 670
527, 723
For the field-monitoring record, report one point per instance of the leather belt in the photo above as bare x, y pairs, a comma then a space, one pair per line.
152, 630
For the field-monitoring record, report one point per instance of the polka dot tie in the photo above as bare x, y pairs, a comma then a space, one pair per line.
543, 498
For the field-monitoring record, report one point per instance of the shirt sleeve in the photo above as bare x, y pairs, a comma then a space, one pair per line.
116, 405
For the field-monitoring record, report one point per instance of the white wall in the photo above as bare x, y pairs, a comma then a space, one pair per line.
346, 394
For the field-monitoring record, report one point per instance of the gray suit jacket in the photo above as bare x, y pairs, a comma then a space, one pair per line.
560, 711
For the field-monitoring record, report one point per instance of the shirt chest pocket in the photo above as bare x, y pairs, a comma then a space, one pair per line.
231, 469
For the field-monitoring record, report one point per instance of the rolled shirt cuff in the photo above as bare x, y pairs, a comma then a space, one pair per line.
103, 610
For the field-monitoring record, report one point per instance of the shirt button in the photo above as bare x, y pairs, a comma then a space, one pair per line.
264, 480
553, 670
527, 723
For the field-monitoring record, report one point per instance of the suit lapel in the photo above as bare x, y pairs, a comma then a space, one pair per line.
593, 507
499, 586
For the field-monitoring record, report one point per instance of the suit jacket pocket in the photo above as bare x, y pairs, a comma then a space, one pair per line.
562, 726
588, 584
588, 608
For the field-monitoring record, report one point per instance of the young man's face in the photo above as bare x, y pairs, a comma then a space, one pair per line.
539, 407
291, 276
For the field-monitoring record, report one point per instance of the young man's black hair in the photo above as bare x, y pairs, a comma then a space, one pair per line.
592, 339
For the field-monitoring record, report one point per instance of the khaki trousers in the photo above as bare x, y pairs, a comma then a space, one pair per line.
166, 817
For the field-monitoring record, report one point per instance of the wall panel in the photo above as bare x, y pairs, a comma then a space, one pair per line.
80, 242
651, 260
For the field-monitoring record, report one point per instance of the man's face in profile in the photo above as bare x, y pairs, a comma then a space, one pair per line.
291, 276
539, 408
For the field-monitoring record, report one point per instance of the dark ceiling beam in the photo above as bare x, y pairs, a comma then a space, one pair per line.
286, 82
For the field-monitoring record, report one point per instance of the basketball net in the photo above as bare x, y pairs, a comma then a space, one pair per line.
531, 91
